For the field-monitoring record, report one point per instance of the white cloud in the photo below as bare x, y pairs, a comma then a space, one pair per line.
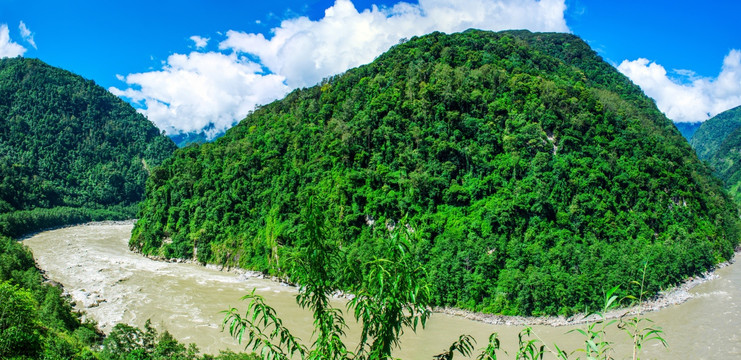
306, 51
7, 47
201, 90
300, 52
27, 34
200, 41
697, 100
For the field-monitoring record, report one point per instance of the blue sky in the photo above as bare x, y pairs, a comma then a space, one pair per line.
190, 65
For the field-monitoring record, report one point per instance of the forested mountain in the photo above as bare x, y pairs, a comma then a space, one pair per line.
688, 129
69, 152
67, 142
530, 172
718, 141
708, 138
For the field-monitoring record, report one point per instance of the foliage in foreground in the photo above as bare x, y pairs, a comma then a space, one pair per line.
534, 171
129, 343
392, 295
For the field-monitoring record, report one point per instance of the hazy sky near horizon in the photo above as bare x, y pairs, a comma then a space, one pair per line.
190, 65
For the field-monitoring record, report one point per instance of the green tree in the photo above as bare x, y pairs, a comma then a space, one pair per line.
390, 296
21, 333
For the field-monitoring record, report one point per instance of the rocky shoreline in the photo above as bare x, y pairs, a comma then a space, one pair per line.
674, 296
666, 298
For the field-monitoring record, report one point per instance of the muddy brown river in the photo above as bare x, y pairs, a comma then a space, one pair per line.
112, 284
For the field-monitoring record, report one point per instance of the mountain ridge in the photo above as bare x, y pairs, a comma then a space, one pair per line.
712, 133
68, 143
530, 170
718, 141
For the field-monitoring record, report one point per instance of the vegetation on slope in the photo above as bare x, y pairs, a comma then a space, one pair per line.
530, 170
708, 139
67, 143
36, 320
718, 141
70, 152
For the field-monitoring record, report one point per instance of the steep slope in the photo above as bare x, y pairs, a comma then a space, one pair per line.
67, 142
708, 138
688, 129
531, 173
719, 142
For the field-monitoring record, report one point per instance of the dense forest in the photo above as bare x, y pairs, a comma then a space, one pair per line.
68, 144
713, 132
718, 141
531, 174
70, 152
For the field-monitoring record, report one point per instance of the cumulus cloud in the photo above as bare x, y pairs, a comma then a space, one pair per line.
201, 91
199, 41
306, 51
300, 52
7, 47
696, 100
27, 34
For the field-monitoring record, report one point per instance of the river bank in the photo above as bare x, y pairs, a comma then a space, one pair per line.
670, 297
666, 298
94, 264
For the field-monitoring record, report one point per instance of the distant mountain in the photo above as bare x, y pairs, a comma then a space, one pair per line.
67, 142
185, 139
708, 138
688, 129
531, 173
718, 141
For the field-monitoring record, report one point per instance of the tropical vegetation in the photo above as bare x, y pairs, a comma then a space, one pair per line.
70, 152
531, 170
718, 141
69, 145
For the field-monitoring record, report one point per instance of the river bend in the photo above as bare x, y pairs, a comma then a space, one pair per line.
112, 284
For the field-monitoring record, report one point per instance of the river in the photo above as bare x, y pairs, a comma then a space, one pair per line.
112, 284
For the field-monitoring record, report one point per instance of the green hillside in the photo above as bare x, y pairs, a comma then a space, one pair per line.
719, 142
708, 139
69, 152
531, 173
68, 144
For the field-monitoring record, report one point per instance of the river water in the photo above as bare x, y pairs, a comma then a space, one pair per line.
112, 284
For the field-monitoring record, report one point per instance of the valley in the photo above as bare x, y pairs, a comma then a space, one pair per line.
510, 173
